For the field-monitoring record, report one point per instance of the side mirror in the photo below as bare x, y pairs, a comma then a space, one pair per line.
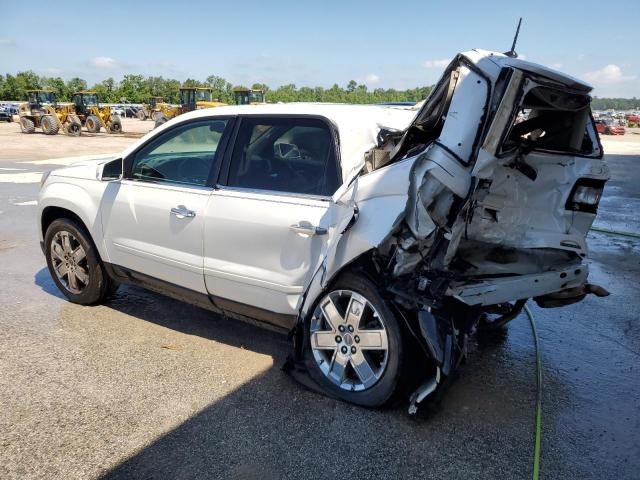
110, 171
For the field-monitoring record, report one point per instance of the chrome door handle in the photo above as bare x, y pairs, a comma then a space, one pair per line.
307, 229
182, 212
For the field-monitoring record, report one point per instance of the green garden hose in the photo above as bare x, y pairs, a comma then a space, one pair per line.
538, 421
616, 232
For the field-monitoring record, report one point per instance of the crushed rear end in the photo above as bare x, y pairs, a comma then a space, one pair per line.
499, 204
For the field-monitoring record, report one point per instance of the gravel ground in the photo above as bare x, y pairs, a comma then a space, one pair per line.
147, 387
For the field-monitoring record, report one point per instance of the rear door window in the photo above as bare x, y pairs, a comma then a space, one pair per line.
288, 155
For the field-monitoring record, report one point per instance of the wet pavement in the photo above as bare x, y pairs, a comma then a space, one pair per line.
147, 387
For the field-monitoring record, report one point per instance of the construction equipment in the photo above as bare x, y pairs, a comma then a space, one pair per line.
192, 98
149, 110
92, 115
42, 111
248, 96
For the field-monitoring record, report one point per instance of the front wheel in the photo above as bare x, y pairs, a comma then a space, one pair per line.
115, 125
93, 124
353, 343
74, 263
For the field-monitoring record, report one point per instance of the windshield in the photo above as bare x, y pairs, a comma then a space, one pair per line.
203, 96
42, 97
46, 97
256, 97
90, 99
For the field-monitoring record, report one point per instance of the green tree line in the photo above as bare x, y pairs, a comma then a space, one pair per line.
615, 103
137, 89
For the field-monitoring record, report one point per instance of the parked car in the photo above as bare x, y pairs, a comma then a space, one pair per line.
609, 126
5, 115
11, 108
130, 111
366, 232
632, 118
118, 110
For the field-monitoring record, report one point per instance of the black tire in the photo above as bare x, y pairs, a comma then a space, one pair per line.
74, 127
160, 119
92, 123
49, 125
141, 115
99, 285
27, 125
115, 125
383, 390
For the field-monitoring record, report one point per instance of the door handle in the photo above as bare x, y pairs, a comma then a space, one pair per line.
182, 212
307, 229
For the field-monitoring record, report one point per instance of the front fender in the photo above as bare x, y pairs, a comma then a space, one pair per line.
82, 199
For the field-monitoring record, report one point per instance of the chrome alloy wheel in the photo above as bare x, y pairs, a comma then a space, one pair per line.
349, 340
69, 261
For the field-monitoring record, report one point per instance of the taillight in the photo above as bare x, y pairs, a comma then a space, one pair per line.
585, 195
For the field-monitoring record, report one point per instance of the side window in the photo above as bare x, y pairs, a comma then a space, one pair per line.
291, 155
182, 155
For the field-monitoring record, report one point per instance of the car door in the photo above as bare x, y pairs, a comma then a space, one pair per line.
154, 217
269, 219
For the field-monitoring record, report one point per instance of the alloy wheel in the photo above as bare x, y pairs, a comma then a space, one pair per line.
69, 261
349, 340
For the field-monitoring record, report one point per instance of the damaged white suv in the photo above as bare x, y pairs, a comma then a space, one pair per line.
366, 232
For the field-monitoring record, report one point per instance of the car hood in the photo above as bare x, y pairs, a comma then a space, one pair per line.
84, 169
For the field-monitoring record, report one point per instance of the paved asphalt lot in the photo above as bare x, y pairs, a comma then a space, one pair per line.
147, 387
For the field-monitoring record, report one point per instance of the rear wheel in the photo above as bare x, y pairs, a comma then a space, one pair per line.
93, 124
115, 125
74, 263
27, 125
353, 343
141, 115
49, 125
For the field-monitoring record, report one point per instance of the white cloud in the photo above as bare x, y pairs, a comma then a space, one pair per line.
557, 66
103, 62
372, 79
436, 63
7, 42
610, 74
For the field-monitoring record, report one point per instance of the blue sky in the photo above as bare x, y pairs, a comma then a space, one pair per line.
382, 44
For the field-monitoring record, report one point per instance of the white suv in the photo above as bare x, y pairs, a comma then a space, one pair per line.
367, 232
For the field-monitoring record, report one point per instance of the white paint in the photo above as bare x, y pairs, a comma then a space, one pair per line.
27, 203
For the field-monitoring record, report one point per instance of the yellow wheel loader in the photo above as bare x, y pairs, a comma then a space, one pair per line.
149, 110
42, 111
192, 98
248, 96
92, 115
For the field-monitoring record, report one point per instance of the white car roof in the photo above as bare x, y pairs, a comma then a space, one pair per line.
358, 125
